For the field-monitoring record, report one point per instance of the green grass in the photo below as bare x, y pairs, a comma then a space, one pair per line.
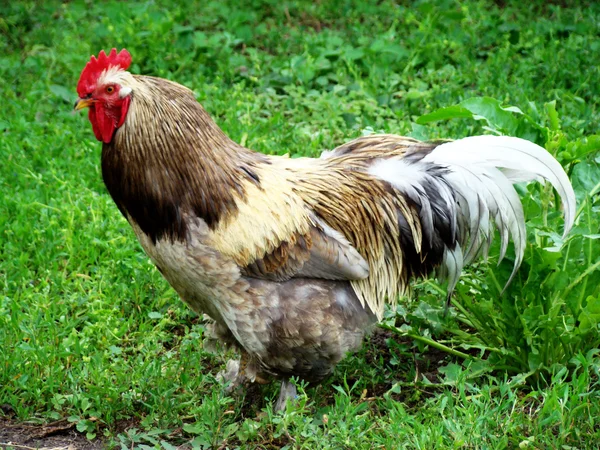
90, 331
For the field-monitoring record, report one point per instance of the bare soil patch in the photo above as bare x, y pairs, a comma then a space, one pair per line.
60, 435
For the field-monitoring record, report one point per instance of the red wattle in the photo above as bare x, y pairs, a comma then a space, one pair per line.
104, 122
104, 126
94, 122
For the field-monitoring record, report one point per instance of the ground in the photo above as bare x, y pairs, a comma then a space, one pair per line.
59, 435
62, 434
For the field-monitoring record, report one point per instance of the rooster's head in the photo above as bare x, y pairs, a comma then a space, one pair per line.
101, 87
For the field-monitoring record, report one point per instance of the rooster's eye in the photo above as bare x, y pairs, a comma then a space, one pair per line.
110, 89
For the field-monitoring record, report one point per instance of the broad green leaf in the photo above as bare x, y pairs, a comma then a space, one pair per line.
166, 446
589, 319
450, 112
451, 373
508, 120
585, 146
492, 111
193, 428
585, 178
419, 132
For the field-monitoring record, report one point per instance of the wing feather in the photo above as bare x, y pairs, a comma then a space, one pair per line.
276, 236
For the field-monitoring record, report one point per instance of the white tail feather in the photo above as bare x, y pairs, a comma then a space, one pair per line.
487, 192
471, 179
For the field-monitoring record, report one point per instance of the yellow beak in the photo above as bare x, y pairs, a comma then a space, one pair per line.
83, 103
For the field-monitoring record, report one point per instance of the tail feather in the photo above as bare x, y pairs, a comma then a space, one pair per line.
519, 159
482, 170
466, 186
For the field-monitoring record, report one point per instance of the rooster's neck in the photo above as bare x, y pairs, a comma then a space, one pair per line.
170, 163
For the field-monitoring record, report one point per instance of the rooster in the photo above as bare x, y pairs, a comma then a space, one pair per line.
295, 259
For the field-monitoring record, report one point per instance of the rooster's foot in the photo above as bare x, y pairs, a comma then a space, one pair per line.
287, 392
231, 377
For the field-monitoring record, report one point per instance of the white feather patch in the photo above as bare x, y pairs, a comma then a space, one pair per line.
124, 91
524, 161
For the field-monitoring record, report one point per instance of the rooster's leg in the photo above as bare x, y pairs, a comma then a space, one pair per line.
230, 376
287, 392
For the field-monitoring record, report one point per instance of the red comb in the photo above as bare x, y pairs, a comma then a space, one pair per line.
95, 67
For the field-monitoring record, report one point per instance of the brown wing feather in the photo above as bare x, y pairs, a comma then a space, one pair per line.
275, 236
282, 263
